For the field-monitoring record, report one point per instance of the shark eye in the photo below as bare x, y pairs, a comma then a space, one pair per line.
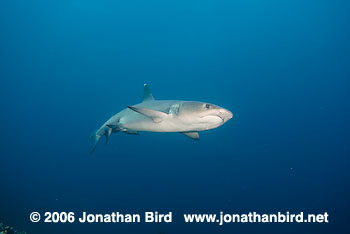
207, 106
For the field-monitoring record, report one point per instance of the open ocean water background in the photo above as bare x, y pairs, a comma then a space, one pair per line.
281, 67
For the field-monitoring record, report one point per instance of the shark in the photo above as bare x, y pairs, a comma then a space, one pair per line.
151, 115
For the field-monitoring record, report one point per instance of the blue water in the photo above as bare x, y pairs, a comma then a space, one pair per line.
281, 67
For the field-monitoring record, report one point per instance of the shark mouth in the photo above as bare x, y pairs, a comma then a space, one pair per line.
218, 116
222, 118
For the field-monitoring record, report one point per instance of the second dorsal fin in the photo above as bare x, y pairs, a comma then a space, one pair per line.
147, 94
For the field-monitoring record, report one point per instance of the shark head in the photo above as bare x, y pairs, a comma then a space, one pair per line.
203, 115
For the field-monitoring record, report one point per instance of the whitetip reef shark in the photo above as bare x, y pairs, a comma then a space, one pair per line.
186, 117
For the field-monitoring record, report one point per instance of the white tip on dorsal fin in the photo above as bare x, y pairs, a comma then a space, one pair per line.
192, 135
147, 94
156, 116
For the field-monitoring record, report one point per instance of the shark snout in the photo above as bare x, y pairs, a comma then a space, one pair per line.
225, 115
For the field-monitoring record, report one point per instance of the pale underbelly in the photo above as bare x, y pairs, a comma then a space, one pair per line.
164, 126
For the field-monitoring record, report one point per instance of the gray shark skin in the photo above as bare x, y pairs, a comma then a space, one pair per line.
186, 117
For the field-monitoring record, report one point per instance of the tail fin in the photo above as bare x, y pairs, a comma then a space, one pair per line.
108, 132
105, 130
96, 139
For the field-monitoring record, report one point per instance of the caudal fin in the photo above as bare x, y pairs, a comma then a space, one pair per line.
96, 139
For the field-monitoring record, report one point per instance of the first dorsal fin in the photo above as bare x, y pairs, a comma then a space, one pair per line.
147, 94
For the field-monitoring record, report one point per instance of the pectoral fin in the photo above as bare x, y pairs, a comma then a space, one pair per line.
192, 135
156, 116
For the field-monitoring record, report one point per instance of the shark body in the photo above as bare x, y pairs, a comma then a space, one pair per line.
186, 117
